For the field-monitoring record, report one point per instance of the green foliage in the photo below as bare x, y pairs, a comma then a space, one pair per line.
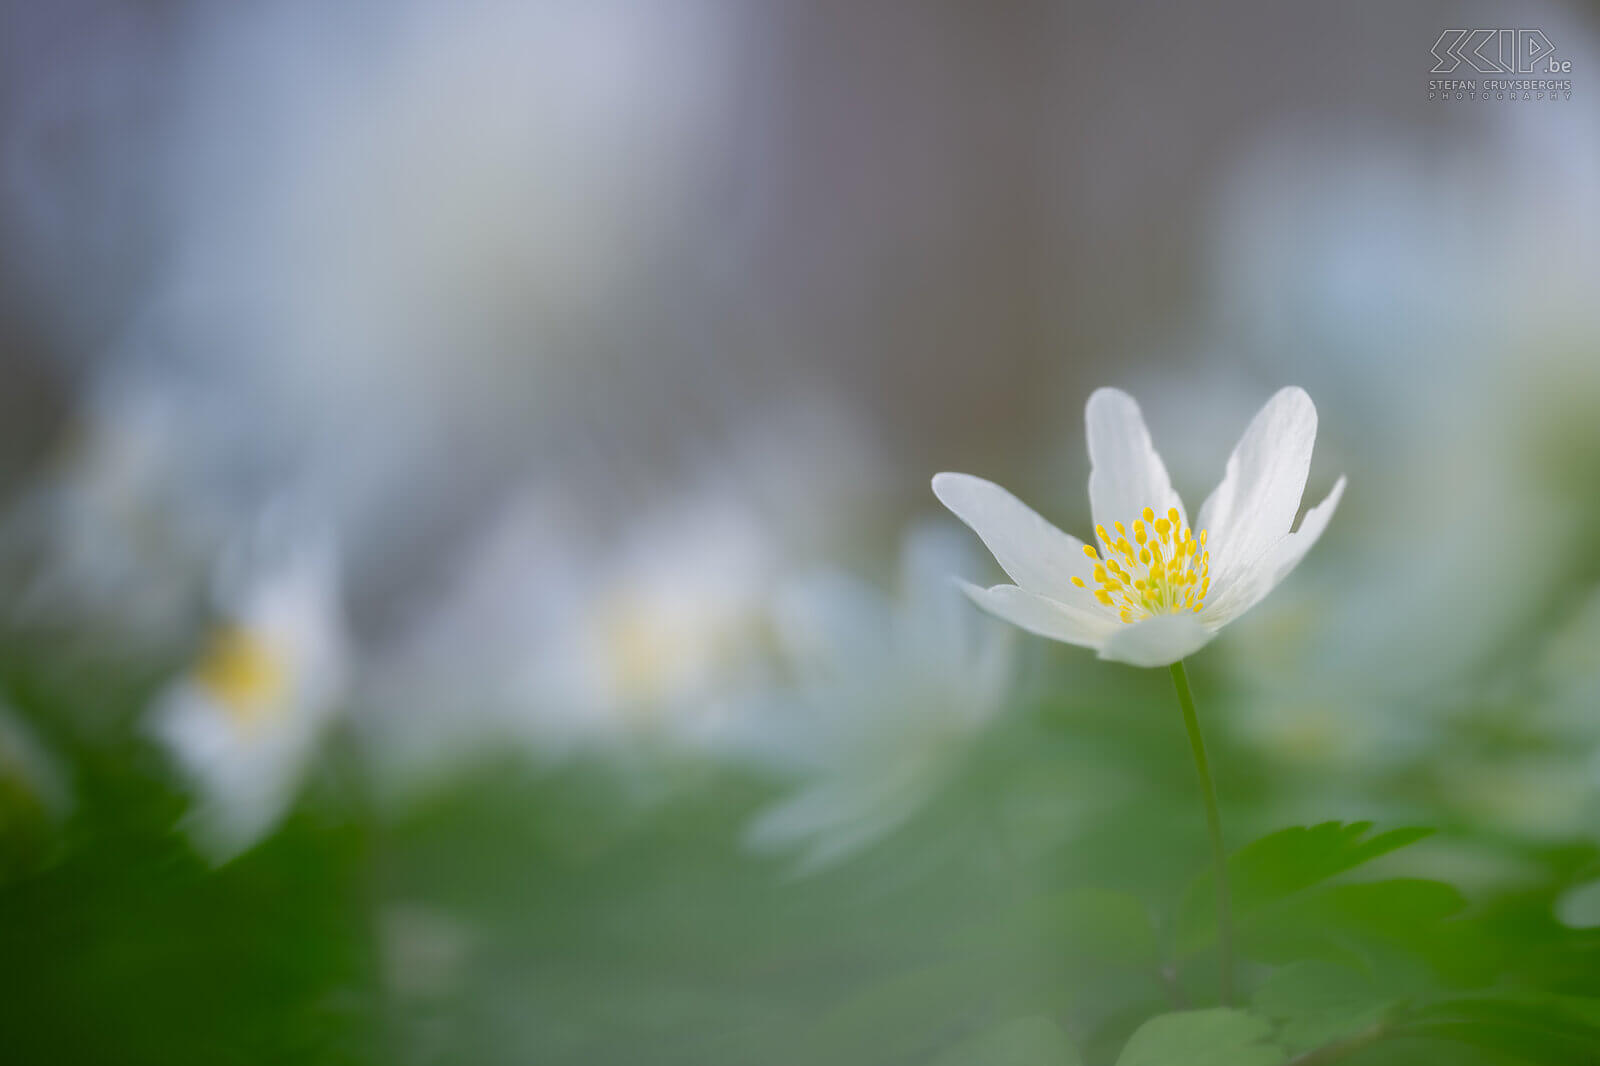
1048, 906
1216, 1037
1527, 1026
1031, 1041
1317, 1003
1280, 865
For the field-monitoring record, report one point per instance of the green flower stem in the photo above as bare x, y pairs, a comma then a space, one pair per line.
1191, 722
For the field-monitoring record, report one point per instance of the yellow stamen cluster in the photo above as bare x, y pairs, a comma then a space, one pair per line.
243, 674
1164, 569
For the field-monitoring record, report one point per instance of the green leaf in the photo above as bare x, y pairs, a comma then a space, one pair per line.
1317, 1003
1031, 1041
1220, 1036
1281, 865
1392, 927
1536, 1028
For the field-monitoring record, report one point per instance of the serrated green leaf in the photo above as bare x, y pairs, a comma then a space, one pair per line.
1031, 1041
1283, 864
1220, 1036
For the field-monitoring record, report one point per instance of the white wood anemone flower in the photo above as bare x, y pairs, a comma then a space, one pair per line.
1151, 590
245, 721
889, 692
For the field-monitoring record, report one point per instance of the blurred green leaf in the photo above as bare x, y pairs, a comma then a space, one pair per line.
1317, 1003
1531, 1027
900, 1016
1030, 1041
1107, 928
1220, 1036
1394, 927
1086, 928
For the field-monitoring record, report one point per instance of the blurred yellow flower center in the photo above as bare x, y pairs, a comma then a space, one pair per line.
1164, 569
242, 673
645, 648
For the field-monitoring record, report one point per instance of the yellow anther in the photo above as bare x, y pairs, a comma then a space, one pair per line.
1078, 581
242, 673
1174, 578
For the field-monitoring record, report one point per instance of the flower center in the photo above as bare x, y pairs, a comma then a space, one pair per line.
1163, 570
242, 673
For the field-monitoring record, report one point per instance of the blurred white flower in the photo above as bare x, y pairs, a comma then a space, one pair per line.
246, 719
1161, 596
675, 618
887, 695
549, 642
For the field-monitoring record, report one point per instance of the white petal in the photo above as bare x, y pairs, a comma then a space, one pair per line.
1254, 584
1038, 556
1126, 475
1043, 616
1256, 501
1159, 640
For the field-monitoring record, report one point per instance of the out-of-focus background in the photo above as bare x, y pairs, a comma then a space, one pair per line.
469, 586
